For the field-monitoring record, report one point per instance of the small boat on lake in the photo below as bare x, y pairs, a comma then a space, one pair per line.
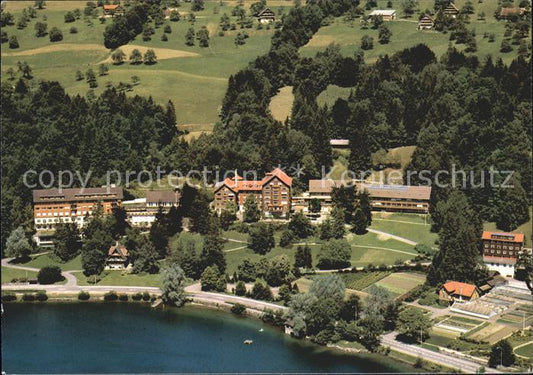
248, 342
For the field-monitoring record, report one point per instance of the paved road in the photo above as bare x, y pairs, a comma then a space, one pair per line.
397, 238
429, 355
71, 279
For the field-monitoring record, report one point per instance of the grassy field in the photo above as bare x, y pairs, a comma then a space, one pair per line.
401, 282
193, 78
411, 226
281, 104
49, 260
526, 350
405, 34
525, 228
118, 278
9, 274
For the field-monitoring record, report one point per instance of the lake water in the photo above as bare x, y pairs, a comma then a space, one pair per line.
127, 338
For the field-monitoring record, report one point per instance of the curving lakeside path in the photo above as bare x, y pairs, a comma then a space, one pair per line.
71, 279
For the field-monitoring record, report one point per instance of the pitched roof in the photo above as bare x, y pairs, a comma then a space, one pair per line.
462, 289
451, 8
118, 249
382, 12
279, 174
512, 11
426, 19
77, 194
503, 236
266, 13
339, 142
162, 196
238, 184
111, 6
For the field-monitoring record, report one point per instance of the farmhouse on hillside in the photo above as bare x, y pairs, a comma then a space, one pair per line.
113, 10
272, 193
506, 13
451, 10
117, 257
426, 23
385, 14
266, 16
454, 291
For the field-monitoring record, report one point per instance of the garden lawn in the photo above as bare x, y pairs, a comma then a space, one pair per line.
117, 278
525, 351
49, 260
411, 226
377, 250
9, 274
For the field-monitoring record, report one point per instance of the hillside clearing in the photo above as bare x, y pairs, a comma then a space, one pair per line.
281, 104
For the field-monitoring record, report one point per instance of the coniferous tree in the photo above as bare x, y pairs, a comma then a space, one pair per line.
212, 253
159, 234
199, 213
261, 238
252, 213
360, 160
457, 258
303, 257
67, 242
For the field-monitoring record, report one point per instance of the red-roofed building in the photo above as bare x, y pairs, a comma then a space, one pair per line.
113, 10
501, 250
455, 291
272, 193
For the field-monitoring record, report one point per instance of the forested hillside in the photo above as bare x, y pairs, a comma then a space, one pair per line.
45, 129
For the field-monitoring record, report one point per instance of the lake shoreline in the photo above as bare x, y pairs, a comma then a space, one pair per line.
256, 315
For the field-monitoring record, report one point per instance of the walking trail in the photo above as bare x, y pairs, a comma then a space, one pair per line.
71, 279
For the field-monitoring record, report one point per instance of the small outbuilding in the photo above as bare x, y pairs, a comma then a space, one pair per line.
385, 14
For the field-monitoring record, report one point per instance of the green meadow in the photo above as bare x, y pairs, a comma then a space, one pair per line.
193, 78
405, 34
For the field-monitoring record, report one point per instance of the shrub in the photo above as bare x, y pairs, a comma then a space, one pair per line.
13, 42
28, 297
110, 296
55, 35
137, 296
123, 297
164, 38
73, 30
49, 275
9, 297
240, 289
238, 309
41, 296
146, 296
83, 296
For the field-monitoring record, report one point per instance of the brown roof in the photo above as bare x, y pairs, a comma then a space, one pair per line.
162, 196
266, 13
375, 190
461, 289
238, 184
503, 236
119, 250
77, 194
397, 191
451, 8
512, 11
111, 6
